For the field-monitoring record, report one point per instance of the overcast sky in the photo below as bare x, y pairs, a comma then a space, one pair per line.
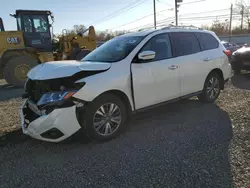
87, 12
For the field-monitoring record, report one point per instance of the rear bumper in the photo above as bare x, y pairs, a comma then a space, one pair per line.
57, 126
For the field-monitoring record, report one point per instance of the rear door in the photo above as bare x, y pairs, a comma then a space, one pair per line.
211, 55
187, 54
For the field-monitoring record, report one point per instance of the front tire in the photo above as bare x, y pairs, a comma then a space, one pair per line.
212, 87
104, 118
16, 69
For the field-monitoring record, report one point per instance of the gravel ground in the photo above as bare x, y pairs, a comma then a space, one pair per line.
10, 102
9, 116
184, 144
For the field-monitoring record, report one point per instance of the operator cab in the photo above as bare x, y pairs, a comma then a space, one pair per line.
36, 28
1, 25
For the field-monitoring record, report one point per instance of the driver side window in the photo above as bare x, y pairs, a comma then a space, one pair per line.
40, 24
160, 44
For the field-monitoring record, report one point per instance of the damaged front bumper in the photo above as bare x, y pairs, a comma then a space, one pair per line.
56, 126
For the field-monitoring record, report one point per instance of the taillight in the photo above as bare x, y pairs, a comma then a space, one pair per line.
227, 52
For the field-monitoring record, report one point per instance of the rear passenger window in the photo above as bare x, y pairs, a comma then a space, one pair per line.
160, 44
207, 41
184, 43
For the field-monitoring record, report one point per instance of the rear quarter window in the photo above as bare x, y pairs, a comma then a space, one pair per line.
207, 41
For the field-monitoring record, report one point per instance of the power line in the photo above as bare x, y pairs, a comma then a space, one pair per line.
181, 16
191, 2
165, 21
165, 3
213, 11
172, 5
150, 24
181, 3
140, 27
244, 3
120, 11
198, 18
140, 19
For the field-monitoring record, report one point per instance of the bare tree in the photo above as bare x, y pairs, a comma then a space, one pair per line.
107, 35
220, 28
100, 36
79, 28
243, 8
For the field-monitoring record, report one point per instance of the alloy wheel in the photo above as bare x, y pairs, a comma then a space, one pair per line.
213, 87
107, 119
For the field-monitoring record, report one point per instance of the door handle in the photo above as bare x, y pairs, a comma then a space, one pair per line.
173, 67
207, 59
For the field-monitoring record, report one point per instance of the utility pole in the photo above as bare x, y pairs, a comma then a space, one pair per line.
242, 14
176, 13
230, 22
154, 15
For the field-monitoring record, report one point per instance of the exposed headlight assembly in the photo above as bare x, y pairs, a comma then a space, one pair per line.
52, 97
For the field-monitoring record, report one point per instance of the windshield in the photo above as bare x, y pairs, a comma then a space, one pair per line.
114, 50
35, 23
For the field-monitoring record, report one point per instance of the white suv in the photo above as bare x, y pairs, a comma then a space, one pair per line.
127, 74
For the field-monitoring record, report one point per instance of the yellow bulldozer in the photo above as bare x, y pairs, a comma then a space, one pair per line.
32, 44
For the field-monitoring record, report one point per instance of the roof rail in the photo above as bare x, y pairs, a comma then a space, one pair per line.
182, 26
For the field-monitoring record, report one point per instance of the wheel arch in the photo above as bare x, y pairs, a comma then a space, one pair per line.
122, 96
115, 92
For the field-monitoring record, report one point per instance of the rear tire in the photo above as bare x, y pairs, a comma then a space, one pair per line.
16, 69
99, 122
212, 87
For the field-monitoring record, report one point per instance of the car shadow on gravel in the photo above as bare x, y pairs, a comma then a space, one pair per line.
241, 81
183, 144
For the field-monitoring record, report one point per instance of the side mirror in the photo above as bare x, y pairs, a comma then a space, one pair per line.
146, 55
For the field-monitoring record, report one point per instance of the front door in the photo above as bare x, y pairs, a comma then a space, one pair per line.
157, 80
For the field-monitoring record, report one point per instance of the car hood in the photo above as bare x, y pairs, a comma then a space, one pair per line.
60, 69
